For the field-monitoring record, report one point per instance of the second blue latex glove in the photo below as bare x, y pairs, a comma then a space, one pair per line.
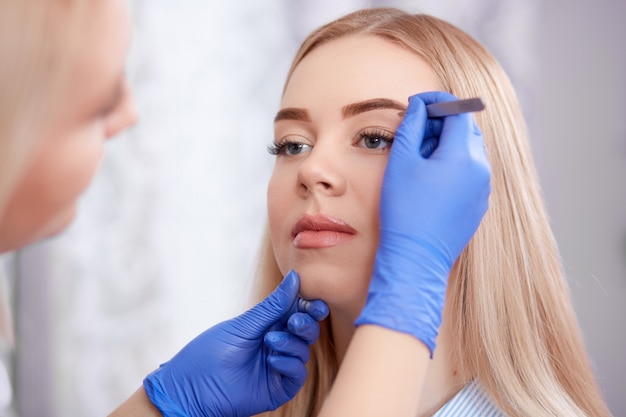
430, 208
243, 366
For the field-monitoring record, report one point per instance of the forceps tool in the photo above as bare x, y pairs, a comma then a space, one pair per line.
447, 108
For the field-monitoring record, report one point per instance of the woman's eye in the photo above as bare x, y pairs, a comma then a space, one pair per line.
375, 140
289, 148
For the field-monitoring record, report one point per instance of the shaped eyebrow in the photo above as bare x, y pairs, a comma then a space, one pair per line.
368, 105
350, 110
292, 113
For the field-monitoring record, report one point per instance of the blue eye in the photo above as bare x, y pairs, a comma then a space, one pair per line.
375, 139
288, 148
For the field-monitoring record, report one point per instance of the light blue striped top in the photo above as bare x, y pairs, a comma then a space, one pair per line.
472, 401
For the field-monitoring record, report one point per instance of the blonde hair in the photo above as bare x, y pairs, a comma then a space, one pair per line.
37, 39
508, 304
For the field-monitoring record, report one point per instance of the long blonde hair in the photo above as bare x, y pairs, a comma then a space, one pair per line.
508, 304
37, 39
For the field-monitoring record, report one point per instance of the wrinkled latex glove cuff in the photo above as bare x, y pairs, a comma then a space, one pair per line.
407, 293
159, 399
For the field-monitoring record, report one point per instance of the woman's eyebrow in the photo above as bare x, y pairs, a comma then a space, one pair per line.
292, 113
350, 110
353, 109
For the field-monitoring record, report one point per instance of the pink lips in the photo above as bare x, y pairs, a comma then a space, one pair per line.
320, 231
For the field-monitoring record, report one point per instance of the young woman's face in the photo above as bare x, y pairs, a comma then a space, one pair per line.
96, 106
332, 139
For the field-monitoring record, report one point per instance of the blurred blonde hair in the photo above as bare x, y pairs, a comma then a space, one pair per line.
508, 303
37, 44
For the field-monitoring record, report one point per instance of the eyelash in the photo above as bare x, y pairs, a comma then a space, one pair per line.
376, 133
280, 148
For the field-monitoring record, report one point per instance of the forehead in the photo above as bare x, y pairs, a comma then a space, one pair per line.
100, 54
358, 67
106, 33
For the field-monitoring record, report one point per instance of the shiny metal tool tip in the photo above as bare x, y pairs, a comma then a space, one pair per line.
448, 108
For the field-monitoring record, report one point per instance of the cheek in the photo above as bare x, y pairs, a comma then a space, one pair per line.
279, 202
68, 173
45, 199
367, 186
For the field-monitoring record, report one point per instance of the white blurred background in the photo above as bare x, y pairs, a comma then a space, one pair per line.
166, 240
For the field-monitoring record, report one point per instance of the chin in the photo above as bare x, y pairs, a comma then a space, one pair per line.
337, 286
27, 231
59, 223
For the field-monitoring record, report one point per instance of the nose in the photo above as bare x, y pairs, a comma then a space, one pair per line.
321, 172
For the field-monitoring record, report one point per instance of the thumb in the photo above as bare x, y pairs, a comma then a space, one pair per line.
409, 135
275, 306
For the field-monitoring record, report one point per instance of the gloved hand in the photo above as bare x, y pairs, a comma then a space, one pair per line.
243, 366
429, 210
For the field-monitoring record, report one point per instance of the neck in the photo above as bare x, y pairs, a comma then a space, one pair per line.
443, 379
342, 325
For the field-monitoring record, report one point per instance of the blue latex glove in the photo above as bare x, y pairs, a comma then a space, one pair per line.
243, 366
430, 208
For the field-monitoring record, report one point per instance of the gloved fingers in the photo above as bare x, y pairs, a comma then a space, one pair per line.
434, 125
459, 131
462, 143
476, 144
287, 344
315, 308
292, 369
430, 97
283, 297
410, 133
419, 134
304, 326
460, 134
273, 308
